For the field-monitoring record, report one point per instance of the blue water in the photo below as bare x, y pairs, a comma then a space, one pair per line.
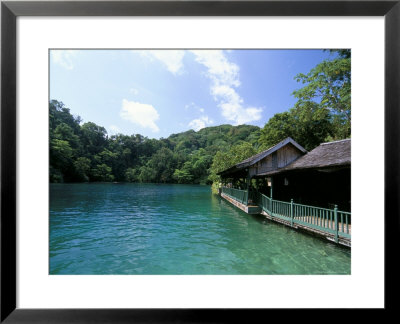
175, 229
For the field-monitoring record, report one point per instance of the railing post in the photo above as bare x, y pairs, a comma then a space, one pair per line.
336, 225
247, 190
291, 212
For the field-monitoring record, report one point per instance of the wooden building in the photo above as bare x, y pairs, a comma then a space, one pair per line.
320, 178
273, 159
287, 171
311, 190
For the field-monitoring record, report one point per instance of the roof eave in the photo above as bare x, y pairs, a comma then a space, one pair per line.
274, 172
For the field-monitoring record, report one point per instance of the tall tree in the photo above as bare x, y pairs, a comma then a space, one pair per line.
94, 137
328, 85
323, 109
307, 123
279, 127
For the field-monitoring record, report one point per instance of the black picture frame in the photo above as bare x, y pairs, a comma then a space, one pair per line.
10, 10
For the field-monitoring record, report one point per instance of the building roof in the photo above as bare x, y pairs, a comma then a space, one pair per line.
255, 158
325, 155
331, 154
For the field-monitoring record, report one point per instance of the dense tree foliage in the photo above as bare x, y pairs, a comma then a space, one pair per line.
84, 151
309, 125
323, 108
224, 160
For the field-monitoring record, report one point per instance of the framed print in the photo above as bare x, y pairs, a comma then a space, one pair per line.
105, 69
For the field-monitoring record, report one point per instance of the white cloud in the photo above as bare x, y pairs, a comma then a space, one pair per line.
226, 93
140, 114
200, 123
172, 59
224, 77
192, 105
64, 58
219, 69
232, 105
113, 130
240, 115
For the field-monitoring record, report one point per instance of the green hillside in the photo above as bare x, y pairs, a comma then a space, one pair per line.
84, 152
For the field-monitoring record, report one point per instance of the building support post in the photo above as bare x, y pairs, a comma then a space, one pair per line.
291, 212
272, 184
248, 188
336, 225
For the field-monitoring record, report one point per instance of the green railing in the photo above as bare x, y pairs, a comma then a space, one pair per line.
332, 221
237, 194
327, 220
344, 219
266, 203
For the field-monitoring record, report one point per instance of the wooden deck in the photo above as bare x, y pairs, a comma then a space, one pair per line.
330, 237
249, 209
330, 224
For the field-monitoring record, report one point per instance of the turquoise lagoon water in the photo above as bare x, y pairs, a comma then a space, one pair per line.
175, 229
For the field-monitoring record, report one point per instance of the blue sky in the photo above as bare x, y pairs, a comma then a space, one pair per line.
160, 92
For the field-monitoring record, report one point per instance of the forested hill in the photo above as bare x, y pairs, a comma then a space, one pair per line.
82, 152
217, 137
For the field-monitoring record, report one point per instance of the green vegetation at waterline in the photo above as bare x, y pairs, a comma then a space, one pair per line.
82, 152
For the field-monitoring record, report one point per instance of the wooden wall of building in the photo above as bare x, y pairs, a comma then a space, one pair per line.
279, 159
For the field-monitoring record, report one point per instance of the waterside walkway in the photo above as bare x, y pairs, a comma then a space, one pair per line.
332, 224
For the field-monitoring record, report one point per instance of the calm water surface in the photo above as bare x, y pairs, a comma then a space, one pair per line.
174, 229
